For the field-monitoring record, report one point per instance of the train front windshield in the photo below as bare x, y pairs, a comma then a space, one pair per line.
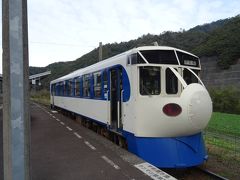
189, 76
149, 80
150, 76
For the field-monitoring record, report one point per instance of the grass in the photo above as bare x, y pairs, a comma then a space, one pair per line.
230, 145
42, 97
224, 123
222, 140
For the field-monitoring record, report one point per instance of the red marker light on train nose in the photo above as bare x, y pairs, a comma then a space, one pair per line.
172, 109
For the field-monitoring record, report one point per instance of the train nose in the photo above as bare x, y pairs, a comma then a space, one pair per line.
199, 106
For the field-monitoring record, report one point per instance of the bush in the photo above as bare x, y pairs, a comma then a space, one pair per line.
226, 100
41, 96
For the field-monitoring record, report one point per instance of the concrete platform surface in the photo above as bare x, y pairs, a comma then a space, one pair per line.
62, 149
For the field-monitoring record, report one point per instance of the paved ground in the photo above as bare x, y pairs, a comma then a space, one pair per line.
62, 149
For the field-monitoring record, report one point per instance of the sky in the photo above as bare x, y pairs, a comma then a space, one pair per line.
64, 30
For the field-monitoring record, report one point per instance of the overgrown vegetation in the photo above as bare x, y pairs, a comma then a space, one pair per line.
226, 100
42, 96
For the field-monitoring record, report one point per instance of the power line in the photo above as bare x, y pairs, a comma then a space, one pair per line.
60, 44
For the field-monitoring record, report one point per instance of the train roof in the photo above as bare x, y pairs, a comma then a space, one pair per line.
162, 48
105, 62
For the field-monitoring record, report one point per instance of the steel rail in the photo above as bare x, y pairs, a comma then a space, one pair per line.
217, 176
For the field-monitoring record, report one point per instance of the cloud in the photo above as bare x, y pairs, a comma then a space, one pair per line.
62, 30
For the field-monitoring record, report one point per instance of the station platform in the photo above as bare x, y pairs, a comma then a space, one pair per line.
62, 149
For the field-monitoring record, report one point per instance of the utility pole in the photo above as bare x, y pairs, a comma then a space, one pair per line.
16, 125
155, 43
100, 51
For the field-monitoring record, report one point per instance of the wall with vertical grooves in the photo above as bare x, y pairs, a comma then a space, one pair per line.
213, 76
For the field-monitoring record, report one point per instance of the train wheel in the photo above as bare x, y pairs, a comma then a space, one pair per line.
122, 142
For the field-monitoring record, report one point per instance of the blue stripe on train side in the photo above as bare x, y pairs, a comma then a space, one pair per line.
126, 86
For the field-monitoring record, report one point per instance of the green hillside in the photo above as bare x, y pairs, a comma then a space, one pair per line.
223, 42
218, 38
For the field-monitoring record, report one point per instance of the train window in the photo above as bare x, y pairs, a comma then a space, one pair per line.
77, 87
136, 59
65, 88
86, 85
149, 80
160, 56
81, 86
128, 60
187, 60
97, 84
71, 87
57, 89
190, 77
61, 91
105, 84
171, 82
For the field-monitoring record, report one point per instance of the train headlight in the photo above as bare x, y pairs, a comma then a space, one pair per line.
172, 109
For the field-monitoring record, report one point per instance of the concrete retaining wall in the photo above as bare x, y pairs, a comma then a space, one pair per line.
213, 76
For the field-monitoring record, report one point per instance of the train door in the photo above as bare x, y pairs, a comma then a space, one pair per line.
115, 98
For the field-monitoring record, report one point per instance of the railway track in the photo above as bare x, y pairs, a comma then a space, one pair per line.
194, 173
212, 174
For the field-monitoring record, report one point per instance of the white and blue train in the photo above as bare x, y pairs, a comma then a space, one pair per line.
152, 96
